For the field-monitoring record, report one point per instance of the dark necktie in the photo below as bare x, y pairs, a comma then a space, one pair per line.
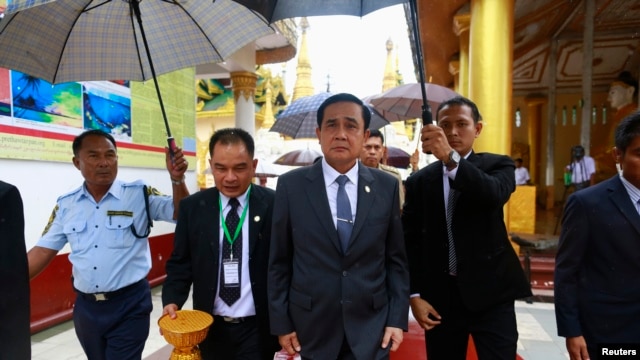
231, 294
453, 261
345, 223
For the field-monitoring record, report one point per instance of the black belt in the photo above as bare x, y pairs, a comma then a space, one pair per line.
104, 296
235, 320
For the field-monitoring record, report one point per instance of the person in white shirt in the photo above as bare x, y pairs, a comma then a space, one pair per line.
522, 174
582, 168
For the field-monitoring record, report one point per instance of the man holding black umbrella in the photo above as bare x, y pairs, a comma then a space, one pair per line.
465, 274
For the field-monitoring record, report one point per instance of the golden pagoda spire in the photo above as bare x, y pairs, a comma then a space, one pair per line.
389, 80
303, 86
267, 123
399, 78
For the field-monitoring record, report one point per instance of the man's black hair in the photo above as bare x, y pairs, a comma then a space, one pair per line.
344, 97
461, 101
376, 133
77, 142
232, 136
627, 130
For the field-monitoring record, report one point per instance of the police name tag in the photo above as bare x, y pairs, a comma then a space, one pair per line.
231, 272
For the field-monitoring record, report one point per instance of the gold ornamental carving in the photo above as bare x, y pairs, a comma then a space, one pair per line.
243, 82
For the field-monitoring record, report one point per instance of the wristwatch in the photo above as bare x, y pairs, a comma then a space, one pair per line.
454, 159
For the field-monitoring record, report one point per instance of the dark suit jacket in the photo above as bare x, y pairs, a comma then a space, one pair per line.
323, 294
489, 272
15, 336
597, 291
196, 252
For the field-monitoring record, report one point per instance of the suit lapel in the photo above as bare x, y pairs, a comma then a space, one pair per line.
366, 195
212, 209
318, 201
620, 199
257, 209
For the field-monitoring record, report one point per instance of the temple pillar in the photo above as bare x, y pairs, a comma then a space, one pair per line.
490, 71
244, 88
534, 122
461, 24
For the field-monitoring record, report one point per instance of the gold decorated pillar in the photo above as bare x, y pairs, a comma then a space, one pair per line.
461, 25
491, 75
534, 122
490, 71
244, 87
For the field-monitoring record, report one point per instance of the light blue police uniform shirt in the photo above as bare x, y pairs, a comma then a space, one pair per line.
105, 254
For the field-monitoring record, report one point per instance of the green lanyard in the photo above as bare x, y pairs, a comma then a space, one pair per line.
239, 227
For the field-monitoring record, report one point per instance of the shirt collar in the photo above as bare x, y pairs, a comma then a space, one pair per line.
634, 192
330, 174
241, 199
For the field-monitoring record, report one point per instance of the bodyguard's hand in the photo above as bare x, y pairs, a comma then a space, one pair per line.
177, 165
434, 141
393, 335
421, 310
577, 348
290, 343
169, 309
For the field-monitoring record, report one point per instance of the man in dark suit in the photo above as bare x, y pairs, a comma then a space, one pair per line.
465, 274
225, 259
15, 337
338, 280
596, 287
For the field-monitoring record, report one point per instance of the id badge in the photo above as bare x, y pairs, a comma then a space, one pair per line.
231, 272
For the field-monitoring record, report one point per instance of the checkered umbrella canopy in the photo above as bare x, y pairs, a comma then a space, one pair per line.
299, 119
81, 40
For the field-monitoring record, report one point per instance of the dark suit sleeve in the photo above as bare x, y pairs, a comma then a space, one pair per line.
397, 269
571, 251
280, 260
411, 228
177, 285
15, 342
487, 179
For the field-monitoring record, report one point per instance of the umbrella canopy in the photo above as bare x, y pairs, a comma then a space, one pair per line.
300, 157
274, 10
81, 40
405, 101
299, 119
397, 157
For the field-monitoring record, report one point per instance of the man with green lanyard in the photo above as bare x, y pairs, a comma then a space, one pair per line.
221, 247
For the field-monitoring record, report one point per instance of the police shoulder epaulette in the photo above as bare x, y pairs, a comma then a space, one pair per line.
70, 193
389, 168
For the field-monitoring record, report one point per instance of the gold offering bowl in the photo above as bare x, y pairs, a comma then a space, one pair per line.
185, 332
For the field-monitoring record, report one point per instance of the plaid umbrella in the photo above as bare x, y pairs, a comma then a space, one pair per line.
81, 40
299, 119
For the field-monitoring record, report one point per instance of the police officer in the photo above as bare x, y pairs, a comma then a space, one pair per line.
371, 155
106, 223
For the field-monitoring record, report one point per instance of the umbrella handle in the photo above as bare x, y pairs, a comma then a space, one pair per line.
170, 140
427, 117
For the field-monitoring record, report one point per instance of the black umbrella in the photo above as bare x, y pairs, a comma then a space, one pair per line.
273, 10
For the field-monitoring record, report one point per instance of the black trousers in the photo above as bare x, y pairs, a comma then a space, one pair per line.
117, 328
235, 341
494, 330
